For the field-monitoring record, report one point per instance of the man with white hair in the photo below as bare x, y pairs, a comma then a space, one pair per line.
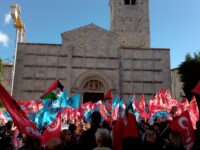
102, 139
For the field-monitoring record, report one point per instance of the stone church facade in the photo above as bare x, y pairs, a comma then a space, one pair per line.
92, 60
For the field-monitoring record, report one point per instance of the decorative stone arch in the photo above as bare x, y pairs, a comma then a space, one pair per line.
92, 81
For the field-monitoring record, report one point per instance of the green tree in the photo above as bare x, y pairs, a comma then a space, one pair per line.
189, 71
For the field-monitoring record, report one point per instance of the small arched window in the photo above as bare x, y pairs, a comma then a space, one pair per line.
94, 85
130, 2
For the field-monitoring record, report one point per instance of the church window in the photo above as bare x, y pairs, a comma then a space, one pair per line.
93, 85
130, 2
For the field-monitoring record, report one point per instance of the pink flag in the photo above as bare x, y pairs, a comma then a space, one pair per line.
162, 97
155, 105
142, 104
53, 130
184, 104
194, 112
184, 126
172, 103
173, 108
168, 94
19, 117
141, 107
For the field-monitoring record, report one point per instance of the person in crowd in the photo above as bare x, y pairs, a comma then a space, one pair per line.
156, 128
17, 139
164, 133
87, 139
111, 133
87, 125
196, 145
175, 141
145, 127
102, 137
30, 143
131, 143
53, 144
79, 131
106, 125
67, 143
150, 140
7, 137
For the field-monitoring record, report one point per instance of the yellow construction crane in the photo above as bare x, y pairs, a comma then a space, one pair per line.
15, 13
20, 34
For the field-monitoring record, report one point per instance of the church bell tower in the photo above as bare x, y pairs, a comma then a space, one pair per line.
130, 20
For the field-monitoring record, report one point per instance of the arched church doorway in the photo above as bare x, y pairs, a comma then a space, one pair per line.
93, 90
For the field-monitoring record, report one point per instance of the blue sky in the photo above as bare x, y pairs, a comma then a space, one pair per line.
174, 24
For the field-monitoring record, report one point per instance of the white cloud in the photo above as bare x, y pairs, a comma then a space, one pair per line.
4, 39
7, 18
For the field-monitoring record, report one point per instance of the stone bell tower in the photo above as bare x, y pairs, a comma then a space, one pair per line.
130, 20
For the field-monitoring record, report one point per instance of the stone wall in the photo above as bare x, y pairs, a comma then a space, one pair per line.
144, 71
6, 76
176, 85
37, 66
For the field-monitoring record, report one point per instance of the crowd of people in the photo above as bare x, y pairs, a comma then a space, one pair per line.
97, 135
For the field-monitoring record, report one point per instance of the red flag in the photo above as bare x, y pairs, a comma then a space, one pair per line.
106, 114
150, 106
184, 126
121, 131
19, 117
154, 106
30, 106
40, 105
194, 112
184, 104
162, 97
136, 105
71, 114
108, 102
115, 112
108, 95
197, 88
85, 107
142, 104
53, 130
168, 94
131, 129
54, 86
96, 104
117, 134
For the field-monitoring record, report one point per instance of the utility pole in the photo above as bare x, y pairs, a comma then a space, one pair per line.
20, 34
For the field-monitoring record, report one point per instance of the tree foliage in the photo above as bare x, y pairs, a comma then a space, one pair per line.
189, 71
